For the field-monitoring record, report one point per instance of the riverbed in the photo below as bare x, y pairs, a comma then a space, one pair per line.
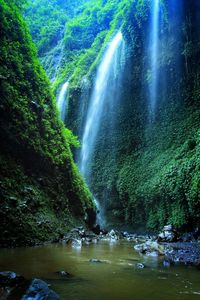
115, 277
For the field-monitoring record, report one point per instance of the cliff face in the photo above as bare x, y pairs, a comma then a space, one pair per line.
153, 178
42, 192
145, 172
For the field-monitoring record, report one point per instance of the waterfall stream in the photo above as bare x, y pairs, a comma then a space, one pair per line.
62, 100
154, 38
105, 79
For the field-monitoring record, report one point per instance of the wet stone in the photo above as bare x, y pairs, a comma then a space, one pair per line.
63, 274
10, 279
95, 260
39, 290
139, 266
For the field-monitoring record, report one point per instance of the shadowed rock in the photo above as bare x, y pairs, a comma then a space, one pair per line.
17, 287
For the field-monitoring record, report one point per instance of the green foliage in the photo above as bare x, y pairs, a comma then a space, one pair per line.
154, 178
71, 138
39, 180
79, 36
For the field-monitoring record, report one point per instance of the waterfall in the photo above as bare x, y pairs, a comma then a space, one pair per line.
57, 58
154, 49
102, 96
62, 100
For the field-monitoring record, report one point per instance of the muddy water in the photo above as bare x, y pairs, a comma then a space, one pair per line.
116, 278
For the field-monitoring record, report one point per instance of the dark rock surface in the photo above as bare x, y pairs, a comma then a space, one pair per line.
151, 248
80, 236
13, 286
97, 229
10, 279
64, 274
168, 234
39, 290
185, 253
174, 247
139, 266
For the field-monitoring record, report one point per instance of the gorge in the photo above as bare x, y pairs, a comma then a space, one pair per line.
100, 146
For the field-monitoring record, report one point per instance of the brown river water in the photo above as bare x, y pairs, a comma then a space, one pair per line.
117, 278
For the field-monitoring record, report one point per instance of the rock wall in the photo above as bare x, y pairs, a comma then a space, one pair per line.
42, 193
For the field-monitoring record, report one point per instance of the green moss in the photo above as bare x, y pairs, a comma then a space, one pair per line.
39, 179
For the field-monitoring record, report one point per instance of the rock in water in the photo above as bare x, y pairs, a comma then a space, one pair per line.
184, 253
95, 260
76, 244
168, 234
39, 290
36, 289
125, 234
64, 274
140, 266
166, 264
151, 248
168, 228
10, 279
113, 235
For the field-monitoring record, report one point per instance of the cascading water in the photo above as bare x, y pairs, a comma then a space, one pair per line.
154, 41
62, 100
101, 95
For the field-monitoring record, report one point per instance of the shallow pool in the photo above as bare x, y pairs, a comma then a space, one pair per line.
116, 278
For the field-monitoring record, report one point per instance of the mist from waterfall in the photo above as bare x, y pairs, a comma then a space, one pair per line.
154, 51
62, 100
100, 104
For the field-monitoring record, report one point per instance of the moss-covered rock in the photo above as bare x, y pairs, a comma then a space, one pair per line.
42, 193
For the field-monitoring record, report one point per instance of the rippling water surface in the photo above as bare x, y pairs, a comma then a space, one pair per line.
116, 278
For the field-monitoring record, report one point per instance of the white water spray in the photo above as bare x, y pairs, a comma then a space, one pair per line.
62, 100
106, 74
97, 103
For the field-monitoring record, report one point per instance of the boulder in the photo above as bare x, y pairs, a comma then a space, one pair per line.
168, 228
10, 279
74, 234
97, 229
39, 290
184, 253
131, 237
14, 286
113, 235
151, 248
166, 264
139, 266
125, 234
104, 231
168, 234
